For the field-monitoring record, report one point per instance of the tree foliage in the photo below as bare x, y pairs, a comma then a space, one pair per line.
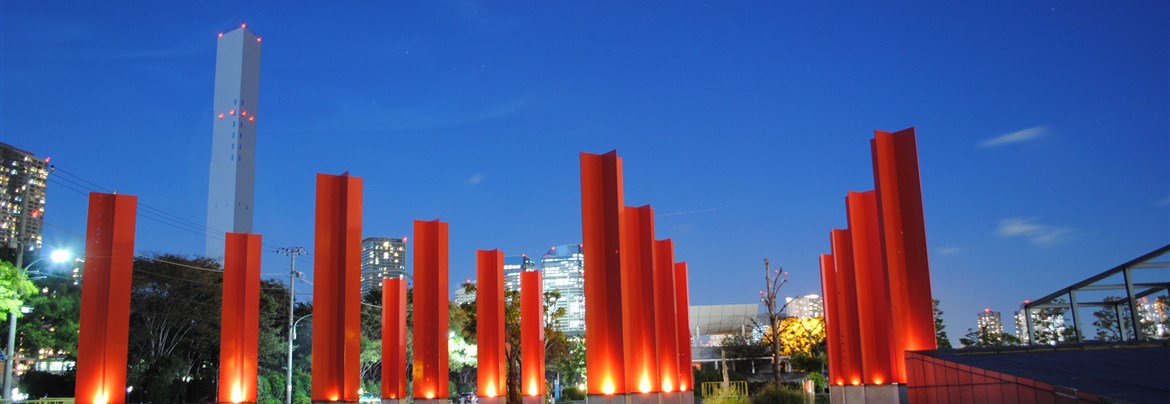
1109, 325
174, 349
53, 322
14, 288
1049, 325
940, 329
799, 335
985, 338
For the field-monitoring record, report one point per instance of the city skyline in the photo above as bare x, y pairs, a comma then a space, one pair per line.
744, 127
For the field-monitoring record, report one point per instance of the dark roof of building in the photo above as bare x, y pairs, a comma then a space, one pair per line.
1138, 372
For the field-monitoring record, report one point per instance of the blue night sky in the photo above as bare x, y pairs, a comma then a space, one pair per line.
1042, 126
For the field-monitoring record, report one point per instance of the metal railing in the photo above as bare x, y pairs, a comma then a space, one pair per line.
736, 388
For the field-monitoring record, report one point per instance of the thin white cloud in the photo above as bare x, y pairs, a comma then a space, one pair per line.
1036, 233
687, 212
1017, 226
949, 250
474, 179
1163, 202
1016, 137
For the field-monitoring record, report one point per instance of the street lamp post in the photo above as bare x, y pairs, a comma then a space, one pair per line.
292, 336
55, 256
292, 252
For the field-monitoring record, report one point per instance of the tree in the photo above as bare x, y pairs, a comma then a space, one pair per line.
174, 311
52, 324
1109, 327
272, 349
773, 281
463, 353
572, 367
985, 338
799, 335
940, 330
370, 356
14, 287
743, 347
1049, 327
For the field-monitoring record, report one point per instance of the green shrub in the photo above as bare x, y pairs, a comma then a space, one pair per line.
819, 380
572, 394
778, 395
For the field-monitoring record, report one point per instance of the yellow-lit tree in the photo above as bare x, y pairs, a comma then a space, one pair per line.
798, 335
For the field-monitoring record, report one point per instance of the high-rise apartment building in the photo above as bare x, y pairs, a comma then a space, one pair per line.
807, 306
232, 176
382, 257
463, 295
22, 200
989, 324
564, 272
513, 265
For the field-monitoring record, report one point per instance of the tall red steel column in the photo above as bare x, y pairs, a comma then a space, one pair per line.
104, 327
665, 317
239, 331
601, 218
430, 311
851, 360
337, 288
899, 194
872, 292
682, 301
832, 319
532, 337
489, 325
394, 339
638, 299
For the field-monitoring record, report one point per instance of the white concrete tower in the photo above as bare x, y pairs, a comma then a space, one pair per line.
233, 137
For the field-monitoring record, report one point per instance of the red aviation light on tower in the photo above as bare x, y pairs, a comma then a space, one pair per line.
244, 25
221, 35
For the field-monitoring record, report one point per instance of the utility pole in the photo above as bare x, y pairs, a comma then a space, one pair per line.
20, 245
292, 300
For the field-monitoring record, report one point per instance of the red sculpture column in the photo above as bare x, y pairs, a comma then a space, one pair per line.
531, 337
394, 340
682, 301
430, 312
239, 331
872, 292
337, 288
601, 218
832, 318
638, 303
665, 320
899, 194
489, 326
104, 327
851, 360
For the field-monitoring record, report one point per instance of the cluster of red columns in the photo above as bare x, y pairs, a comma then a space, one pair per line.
876, 281
637, 319
636, 316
